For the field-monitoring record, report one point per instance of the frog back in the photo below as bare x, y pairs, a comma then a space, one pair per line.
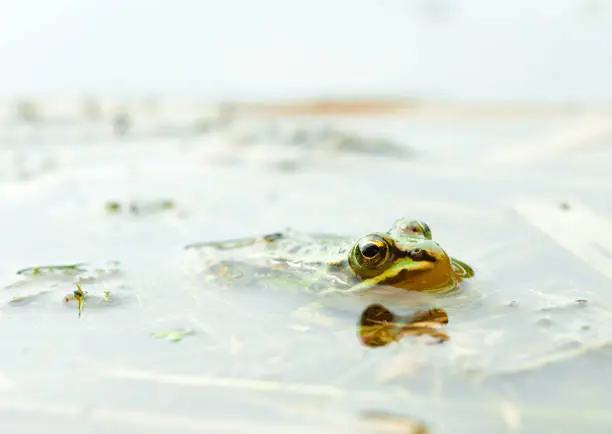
288, 246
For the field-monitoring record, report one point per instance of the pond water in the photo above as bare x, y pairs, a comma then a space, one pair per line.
529, 336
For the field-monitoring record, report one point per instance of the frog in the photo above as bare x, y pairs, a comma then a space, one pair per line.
406, 257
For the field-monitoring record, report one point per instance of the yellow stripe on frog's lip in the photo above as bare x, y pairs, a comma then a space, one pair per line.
396, 273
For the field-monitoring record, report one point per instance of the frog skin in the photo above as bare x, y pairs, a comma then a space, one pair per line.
404, 257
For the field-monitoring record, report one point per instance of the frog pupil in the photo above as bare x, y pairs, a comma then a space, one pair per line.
370, 250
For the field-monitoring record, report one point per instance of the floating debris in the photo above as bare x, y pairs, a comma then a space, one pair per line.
322, 137
18, 299
28, 111
49, 276
78, 295
173, 336
544, 322
92, 110
121, 123
26, 299
80, 272
81, 296
113, 207
67, 270
389, 422
139, 207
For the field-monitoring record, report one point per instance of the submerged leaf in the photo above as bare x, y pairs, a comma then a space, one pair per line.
173, 336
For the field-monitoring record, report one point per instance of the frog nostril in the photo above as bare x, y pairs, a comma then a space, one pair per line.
419, 254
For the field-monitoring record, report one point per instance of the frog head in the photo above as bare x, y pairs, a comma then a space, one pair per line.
405, 257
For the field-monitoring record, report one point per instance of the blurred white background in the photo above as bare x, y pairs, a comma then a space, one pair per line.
524, 50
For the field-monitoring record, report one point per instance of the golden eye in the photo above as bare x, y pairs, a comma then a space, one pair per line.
371, 252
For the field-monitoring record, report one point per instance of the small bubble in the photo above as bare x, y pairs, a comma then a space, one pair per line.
513, 303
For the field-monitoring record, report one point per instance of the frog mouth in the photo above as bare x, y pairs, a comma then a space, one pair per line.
400, 274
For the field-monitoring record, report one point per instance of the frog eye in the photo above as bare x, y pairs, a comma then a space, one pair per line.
416, 227
419, 254
371, 252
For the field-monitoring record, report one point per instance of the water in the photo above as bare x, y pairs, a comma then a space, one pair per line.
525, 346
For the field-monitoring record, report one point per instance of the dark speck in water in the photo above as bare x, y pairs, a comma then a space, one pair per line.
544, 322
113, 207
273, 237
121, 124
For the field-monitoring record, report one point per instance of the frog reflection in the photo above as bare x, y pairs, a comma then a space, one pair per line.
378, 326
